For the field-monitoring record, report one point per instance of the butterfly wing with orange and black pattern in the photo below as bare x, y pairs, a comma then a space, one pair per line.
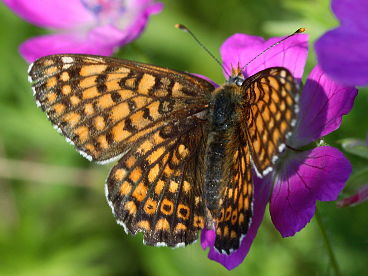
103, 104
270, 106
146, 115
156, 188
236, 199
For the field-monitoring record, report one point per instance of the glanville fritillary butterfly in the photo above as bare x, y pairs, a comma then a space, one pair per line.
185, 149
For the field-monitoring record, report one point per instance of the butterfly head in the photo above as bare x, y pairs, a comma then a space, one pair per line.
237, 76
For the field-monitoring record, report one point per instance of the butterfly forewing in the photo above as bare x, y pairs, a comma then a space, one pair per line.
104, 105
270, 106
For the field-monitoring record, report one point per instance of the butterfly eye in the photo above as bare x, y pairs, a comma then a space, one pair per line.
239, 81
236, 80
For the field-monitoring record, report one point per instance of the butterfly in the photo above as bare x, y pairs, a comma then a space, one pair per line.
187, 150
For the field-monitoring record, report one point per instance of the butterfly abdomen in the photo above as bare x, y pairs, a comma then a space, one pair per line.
221, 121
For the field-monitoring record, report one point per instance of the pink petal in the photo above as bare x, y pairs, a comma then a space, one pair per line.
241, 48
262, 189
323, 103
58, 14
342, 53
138, 13
352, 13
318, 174
151, 6
100, 41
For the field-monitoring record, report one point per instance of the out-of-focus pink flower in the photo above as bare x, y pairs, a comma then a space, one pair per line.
82, 26
342, 52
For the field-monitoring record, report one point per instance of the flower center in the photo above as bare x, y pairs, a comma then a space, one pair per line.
106, 11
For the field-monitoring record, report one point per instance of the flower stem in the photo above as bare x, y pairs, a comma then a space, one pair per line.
327, 243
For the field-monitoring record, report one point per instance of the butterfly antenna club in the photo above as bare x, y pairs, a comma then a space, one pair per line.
298, 31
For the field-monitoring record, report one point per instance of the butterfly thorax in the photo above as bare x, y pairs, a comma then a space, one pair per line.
223, 117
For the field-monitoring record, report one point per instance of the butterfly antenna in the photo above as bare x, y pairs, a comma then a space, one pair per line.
185, 29
298, 31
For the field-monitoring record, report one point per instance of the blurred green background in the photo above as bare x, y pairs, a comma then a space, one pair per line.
54, 219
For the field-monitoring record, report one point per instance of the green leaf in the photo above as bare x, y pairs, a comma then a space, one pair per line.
355, 146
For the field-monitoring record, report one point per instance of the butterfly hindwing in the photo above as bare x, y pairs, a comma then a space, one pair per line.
270, 106
235, 208
156, 187
103, 105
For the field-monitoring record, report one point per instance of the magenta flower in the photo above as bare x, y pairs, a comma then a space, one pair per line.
301, 177
342, 52
82, 26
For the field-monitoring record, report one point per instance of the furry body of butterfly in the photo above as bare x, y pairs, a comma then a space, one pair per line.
222, 118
